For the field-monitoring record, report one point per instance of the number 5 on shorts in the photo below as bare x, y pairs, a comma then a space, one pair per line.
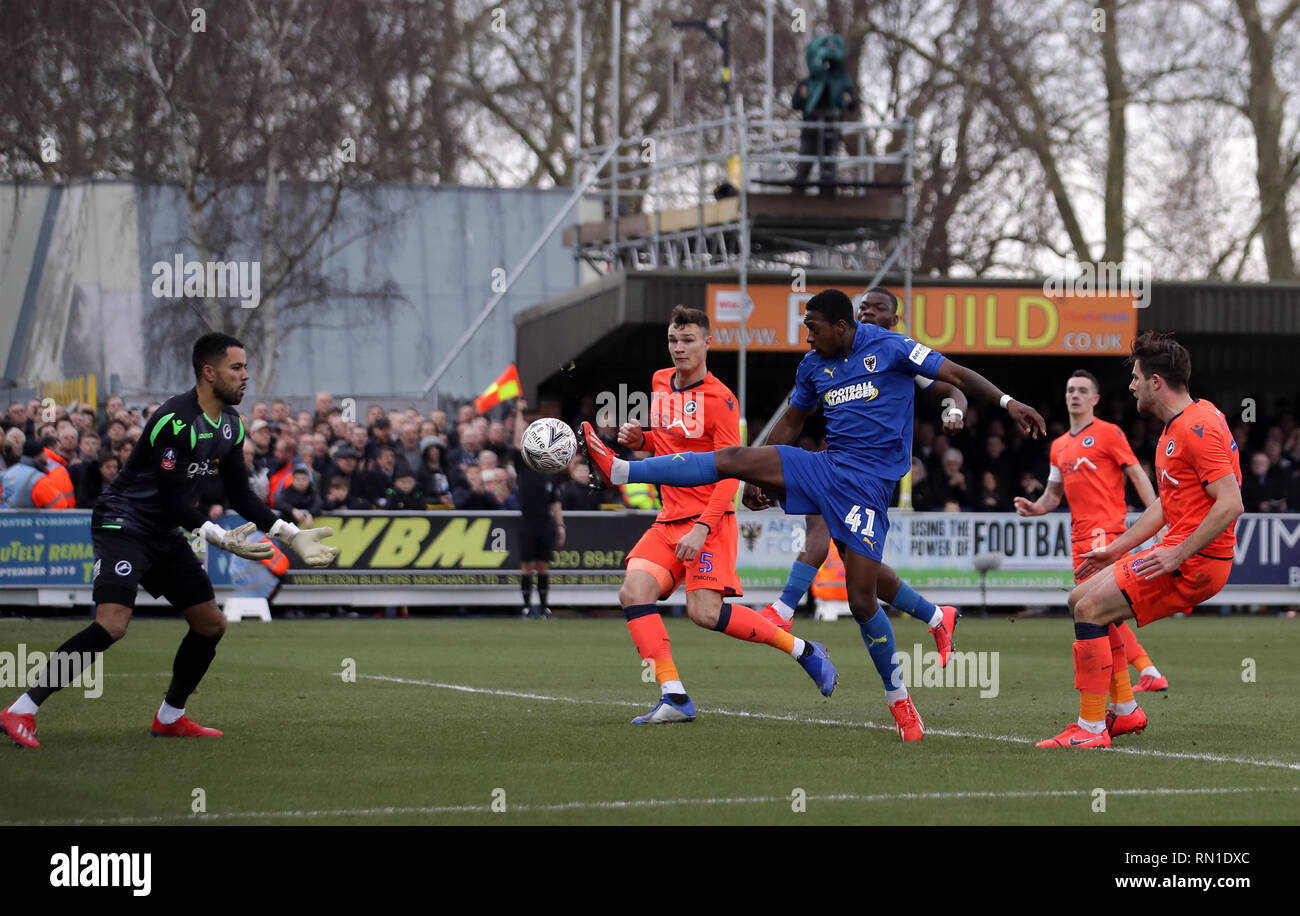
854, 520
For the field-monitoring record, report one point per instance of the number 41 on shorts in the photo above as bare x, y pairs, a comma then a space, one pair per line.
854, 521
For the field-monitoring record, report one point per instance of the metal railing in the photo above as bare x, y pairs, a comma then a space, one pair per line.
700, 166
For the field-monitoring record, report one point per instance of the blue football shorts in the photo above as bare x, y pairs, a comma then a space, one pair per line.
855, 504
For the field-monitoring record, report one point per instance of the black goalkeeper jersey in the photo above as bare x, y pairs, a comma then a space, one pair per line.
180, 449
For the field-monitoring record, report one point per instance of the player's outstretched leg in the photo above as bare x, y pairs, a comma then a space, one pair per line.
684, 469
1149, 677
18, 720
942, 621
197, 649
759, 466
707, 610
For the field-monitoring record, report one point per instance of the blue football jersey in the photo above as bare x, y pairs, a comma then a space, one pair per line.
868, 398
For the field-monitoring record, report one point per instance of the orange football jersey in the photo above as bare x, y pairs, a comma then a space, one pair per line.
1195, 449
1091, 463
702, 417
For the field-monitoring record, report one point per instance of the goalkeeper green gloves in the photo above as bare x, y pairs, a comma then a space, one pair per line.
306, 544
236, 540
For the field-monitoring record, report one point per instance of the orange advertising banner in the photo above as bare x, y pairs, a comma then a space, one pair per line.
946, 318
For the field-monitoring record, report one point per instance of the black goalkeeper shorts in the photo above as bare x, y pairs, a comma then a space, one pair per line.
164, 564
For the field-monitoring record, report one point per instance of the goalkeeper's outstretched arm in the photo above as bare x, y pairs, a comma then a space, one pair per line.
307, 544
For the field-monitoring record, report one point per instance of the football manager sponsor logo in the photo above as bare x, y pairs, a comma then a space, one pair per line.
863, 391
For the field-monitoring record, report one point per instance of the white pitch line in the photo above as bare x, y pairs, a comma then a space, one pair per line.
807, 720
633, 804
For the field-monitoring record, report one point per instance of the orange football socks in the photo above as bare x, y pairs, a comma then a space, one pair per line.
1134, 654
1121, 688
1092, 664
745, 623
651, 639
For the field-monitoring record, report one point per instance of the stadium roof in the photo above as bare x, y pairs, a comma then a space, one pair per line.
602, 316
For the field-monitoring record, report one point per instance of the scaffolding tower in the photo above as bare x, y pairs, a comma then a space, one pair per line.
725, 194
736, 194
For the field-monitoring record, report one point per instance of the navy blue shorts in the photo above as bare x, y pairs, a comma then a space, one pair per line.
855, 504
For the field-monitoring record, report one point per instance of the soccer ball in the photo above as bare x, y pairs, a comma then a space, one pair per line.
548, 445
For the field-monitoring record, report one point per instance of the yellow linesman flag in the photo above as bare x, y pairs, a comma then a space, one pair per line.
503, 389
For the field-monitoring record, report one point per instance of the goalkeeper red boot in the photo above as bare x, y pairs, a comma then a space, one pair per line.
21, 729
184, 727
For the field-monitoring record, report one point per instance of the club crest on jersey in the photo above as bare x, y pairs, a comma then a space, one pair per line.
225, 431
689, 408
869, 362
123, 568
1169, 449
1088, 441
168, 459
863, 391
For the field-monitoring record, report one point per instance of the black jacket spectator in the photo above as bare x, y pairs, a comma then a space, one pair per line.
379, 480
339, 496
1263, 487
431, 478
473, 495
291, 498
96, 475
346, 465
992, 497
412, 500
922, 488
953, 482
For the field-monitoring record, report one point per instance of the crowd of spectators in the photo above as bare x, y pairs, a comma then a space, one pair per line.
301, 463
990, 462
313, 461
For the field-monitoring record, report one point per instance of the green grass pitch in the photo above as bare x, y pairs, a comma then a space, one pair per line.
544, 732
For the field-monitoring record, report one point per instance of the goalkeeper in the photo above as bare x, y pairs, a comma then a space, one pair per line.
136, 528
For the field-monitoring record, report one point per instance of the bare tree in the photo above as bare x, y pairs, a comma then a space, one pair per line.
1277, 161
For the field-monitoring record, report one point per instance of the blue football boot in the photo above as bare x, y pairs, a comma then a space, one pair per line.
820, 668
667, 711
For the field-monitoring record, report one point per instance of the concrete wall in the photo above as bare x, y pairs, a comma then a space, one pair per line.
76, 276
